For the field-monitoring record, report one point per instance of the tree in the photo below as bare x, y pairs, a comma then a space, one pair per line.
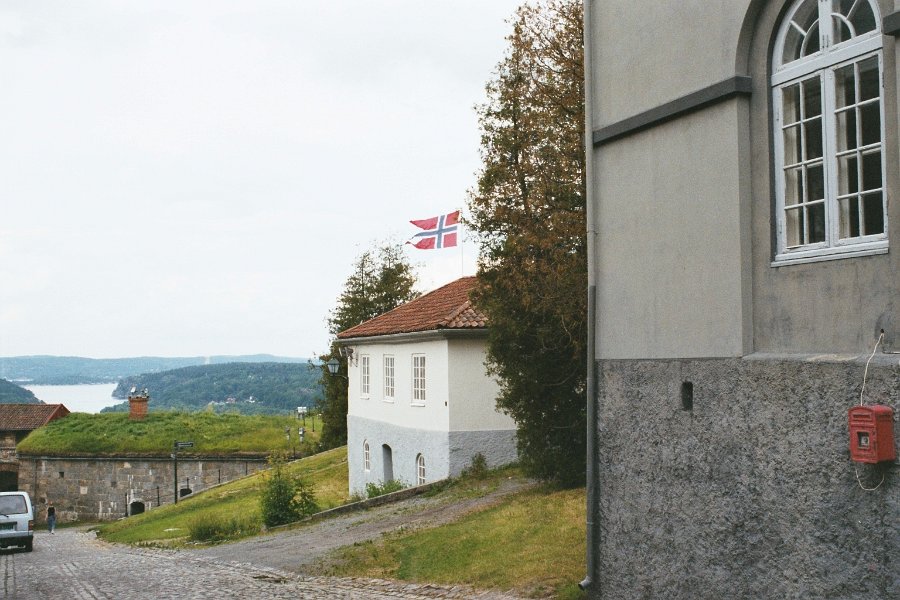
381, 280
285, 497
528, 212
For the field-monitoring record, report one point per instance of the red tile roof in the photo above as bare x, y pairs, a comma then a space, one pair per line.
27, 417
447, 307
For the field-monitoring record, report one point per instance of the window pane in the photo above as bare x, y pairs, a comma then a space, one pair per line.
845, 86
802, 22
815, 183
868, 79
863, 19
793, 187
816, 216
846, 130
811, 43
870, 123
792, 145
794, 226
812, 98
849, 217
871, 171
842, 31
848, 175
790, 100
813, 135
873, 206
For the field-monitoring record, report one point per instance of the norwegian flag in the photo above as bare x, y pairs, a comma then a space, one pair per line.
438, 232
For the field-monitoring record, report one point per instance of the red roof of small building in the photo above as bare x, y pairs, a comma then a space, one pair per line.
27, 417
447, 307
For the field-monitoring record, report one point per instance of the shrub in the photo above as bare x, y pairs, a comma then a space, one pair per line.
207, 528
285, 497
373, 490
478, 467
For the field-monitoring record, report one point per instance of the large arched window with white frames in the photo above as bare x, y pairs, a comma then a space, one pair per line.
827, 95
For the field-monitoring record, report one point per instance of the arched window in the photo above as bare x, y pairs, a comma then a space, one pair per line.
367, 464
828, 131
420, 470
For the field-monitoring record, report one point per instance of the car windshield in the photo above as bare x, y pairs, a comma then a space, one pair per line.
13, 505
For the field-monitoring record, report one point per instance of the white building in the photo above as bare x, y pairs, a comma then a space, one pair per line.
420, 403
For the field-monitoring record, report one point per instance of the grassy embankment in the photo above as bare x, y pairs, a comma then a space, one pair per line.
170, 525
113, 434
532, 542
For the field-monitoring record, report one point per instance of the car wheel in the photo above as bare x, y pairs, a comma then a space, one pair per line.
29, 545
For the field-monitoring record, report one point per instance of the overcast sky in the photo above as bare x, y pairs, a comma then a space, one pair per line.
197, 177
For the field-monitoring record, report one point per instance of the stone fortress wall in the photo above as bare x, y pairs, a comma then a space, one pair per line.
104, 489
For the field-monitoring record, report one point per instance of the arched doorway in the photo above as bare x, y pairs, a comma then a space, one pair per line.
135, 508
184, 492
9, 477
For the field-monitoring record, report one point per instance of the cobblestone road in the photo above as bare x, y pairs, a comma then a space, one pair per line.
74, 564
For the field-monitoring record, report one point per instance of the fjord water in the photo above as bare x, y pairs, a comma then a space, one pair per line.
77, 398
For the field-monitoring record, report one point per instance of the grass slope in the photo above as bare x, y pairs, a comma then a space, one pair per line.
532, 542
213, 434
169, 525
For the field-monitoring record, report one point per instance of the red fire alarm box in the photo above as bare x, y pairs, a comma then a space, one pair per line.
871, 433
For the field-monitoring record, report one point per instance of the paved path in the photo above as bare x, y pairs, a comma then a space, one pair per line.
74, 564
299, 550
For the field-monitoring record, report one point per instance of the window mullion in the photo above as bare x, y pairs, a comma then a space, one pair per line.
829, 156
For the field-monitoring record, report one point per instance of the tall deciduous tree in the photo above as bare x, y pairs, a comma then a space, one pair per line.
382, 279
529, 214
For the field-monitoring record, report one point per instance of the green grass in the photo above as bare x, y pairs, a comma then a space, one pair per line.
531, 542
212, 434
171, 524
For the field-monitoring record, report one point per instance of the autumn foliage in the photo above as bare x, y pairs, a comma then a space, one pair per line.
528, 211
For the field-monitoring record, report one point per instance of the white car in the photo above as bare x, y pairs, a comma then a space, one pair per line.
16, 520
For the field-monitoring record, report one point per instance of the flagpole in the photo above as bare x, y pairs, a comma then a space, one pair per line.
462, 270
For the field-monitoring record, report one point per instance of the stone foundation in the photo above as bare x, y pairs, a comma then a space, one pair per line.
732, 478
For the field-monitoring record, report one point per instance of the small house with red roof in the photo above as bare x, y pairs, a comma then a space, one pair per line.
16, 422
421, 404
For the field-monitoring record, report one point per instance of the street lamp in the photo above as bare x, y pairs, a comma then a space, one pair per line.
333, 366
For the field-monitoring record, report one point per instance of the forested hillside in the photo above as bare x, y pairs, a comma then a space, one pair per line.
10, 393
72, 370
250, 388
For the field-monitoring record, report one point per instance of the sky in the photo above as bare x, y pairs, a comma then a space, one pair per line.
197, 177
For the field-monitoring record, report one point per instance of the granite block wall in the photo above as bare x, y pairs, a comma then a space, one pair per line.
107, 488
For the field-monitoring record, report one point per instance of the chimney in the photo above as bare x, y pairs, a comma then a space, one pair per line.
137, 404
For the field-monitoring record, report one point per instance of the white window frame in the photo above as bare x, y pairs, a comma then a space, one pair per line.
367, 457
420, 469
823, 64
365, 375
389, 377
418, 380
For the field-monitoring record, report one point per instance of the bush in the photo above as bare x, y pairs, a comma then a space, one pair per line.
373, 490
478, 467
285, 497
206, 528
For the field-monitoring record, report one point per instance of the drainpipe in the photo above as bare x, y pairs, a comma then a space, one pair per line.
590, 583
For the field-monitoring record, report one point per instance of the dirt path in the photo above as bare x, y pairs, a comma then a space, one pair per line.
299, 549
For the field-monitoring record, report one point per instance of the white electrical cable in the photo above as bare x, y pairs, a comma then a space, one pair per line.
866, 372
855, 470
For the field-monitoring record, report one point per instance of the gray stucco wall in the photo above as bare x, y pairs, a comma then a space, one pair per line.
92, 488
751, 494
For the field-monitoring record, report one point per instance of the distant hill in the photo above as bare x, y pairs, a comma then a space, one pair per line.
71, 370
10, 393
249, 388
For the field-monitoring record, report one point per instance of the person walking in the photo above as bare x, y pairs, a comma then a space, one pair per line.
51, 517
